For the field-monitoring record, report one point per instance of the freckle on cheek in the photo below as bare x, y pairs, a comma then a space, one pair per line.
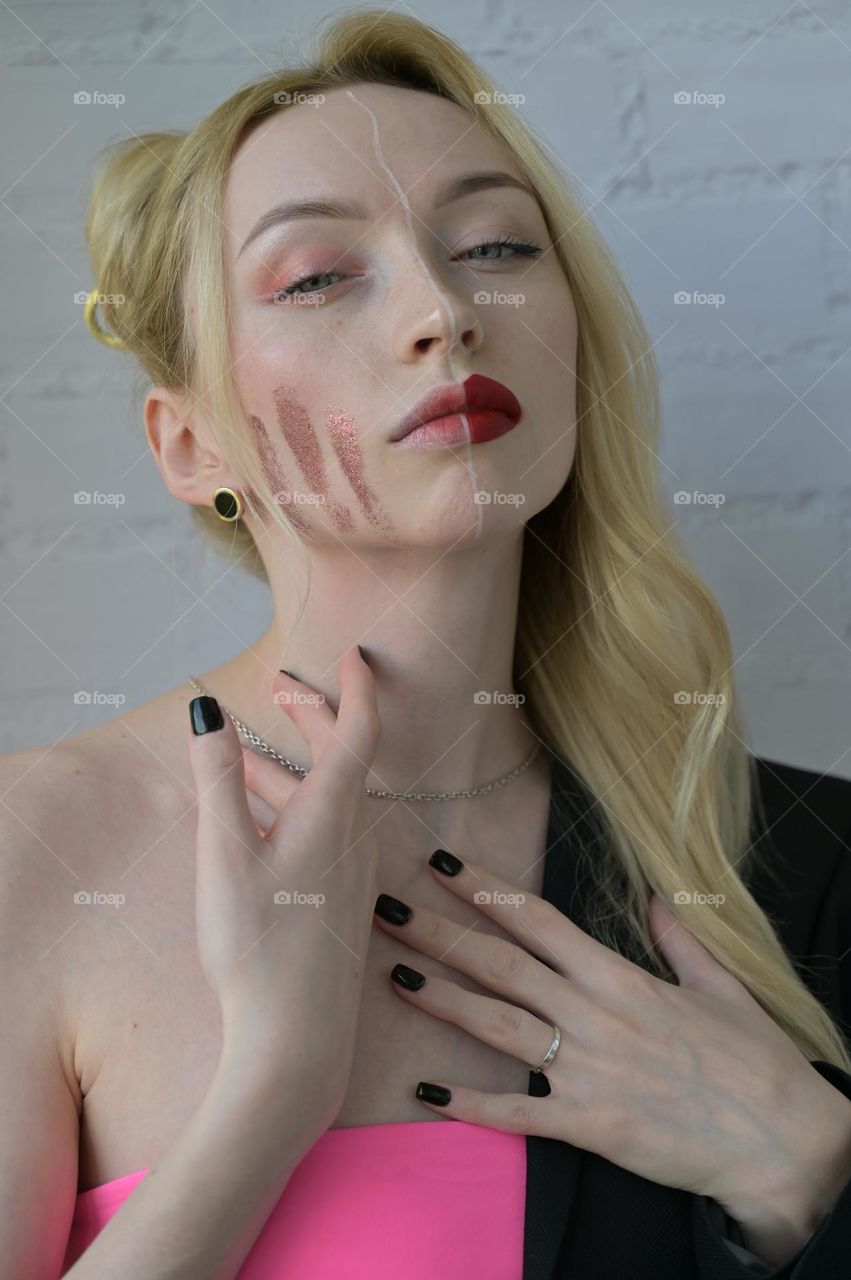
345, 441
301, 438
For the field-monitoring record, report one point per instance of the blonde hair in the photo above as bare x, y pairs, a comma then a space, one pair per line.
613, 621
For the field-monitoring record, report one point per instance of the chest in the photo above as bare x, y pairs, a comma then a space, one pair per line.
151, 1028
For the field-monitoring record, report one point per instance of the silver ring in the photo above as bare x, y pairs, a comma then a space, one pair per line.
552, 1051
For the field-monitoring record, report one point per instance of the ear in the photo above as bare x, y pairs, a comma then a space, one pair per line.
183, 449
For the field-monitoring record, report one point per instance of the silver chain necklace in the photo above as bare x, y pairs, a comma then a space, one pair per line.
382, 795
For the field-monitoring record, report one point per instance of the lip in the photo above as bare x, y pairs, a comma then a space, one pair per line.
475, 393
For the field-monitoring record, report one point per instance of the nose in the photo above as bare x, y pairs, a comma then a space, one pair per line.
439, 323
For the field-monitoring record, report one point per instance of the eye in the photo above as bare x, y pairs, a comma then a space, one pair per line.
296, 287
522, 248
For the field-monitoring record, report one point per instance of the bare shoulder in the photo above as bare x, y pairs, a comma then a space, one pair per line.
67, 794
93, 814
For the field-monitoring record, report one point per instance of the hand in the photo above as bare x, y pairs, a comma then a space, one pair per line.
692, 1086
283, 912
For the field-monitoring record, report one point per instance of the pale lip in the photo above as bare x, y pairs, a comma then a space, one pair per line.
475, 392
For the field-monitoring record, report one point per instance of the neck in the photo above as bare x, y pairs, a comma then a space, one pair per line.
437, 629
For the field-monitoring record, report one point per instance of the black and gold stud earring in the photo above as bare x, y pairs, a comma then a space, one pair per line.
227, 504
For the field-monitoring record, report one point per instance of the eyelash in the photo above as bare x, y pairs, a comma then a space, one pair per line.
522, 247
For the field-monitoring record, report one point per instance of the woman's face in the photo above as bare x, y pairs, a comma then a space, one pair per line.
342, 324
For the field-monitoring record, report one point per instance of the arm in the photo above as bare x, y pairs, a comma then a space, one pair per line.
198, 1212
824, 1252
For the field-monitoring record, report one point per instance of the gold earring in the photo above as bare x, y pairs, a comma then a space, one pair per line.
90, 317
227, 503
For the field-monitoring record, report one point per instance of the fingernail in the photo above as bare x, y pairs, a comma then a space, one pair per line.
434, 1093
362, 653
410, 979
287, 673
446, 862
391, 909
205, 715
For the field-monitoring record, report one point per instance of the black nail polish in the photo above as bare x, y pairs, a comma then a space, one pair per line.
446, 862
362, 653
410, 979
435, 1093
391, 909
205, 715
287, 673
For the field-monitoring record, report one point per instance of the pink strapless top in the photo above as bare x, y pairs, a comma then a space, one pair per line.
424, 1199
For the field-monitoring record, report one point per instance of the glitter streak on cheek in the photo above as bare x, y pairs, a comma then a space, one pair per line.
273, 471
345, 442
301, 438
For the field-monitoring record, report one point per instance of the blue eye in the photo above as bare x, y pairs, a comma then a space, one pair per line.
520, 247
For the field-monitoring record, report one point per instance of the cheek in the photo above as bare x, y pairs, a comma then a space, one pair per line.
344, 441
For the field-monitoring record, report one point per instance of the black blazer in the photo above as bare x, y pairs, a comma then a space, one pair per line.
588, 1219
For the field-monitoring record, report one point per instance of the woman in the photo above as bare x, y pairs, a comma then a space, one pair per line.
498, 867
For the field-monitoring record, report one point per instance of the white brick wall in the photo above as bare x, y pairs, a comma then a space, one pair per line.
749, 199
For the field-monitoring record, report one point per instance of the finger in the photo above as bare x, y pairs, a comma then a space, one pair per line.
538, 924
269, 779
308, 710
215, 756
510, 1112
690, 960
503, 1026
493, 962
350, 746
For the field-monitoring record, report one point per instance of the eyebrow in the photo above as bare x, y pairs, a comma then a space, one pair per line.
465, 185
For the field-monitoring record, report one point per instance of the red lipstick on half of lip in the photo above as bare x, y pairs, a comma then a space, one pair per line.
488, 406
